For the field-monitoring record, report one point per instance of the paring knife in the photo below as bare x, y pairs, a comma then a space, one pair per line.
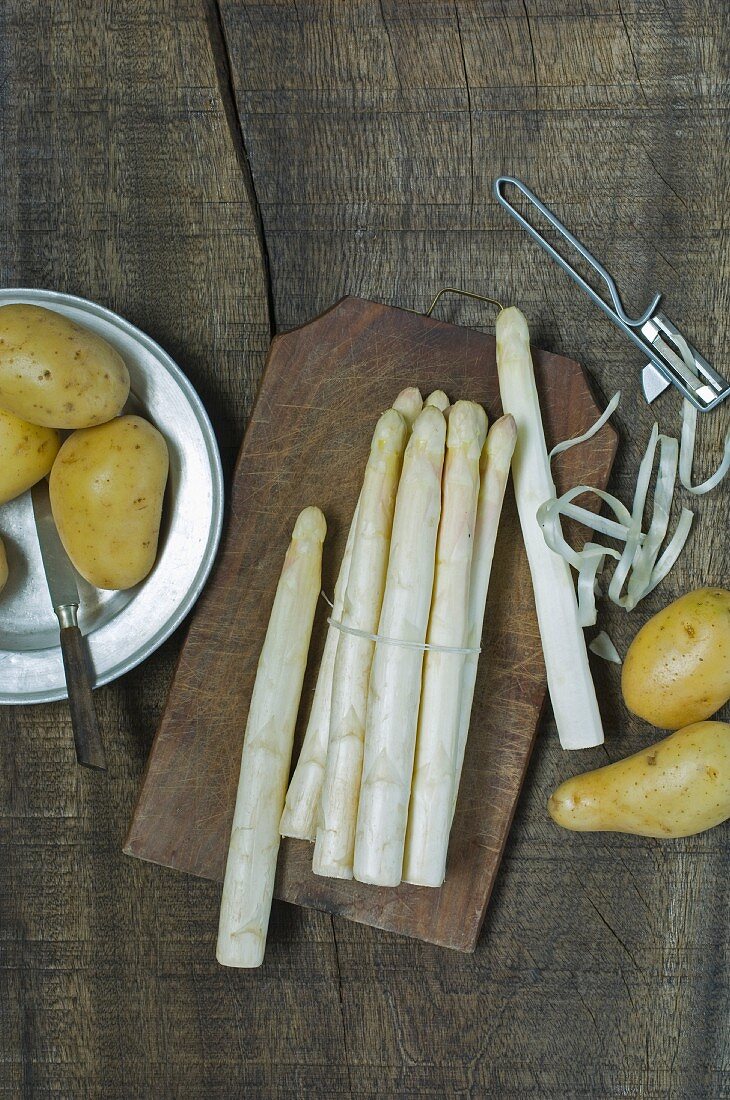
62, 586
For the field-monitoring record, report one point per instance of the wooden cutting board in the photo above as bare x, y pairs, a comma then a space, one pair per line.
307, 443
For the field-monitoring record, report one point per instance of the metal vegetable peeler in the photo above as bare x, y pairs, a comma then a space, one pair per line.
669, 353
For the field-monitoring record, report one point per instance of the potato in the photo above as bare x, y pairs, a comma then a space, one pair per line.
55, 373
107, 485
3, 566
677, 669
26, 454
677, 787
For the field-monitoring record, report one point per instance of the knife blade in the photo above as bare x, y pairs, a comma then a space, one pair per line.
64, 593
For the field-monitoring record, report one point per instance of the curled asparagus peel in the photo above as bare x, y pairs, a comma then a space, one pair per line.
429, 815
248, 885
572, 693
395, 679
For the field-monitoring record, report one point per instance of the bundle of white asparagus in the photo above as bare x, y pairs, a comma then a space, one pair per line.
377, 778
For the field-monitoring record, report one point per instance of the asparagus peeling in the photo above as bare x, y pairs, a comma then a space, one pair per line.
572, 692
248, 885
395, 679
335, 840
429, 815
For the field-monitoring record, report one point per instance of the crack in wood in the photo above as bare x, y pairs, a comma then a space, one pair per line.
227, 88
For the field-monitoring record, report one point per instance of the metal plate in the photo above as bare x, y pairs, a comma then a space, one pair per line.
123, 628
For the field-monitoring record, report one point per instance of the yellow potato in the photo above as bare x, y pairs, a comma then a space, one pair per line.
26, 454
107, 485
677, 787
55, 373
677, 669
3, 566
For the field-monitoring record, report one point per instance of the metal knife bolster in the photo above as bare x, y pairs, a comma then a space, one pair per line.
67, 615
60, 573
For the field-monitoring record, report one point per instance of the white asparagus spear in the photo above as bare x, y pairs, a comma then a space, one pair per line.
409, 404
395, 679
301, 808
439, 400
429, 814
334, 846
493, 473
572, 692
248, 885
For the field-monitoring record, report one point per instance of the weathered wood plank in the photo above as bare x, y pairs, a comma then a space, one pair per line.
120, 181
364, 124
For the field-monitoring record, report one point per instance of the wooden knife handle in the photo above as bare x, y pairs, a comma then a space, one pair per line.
87, 736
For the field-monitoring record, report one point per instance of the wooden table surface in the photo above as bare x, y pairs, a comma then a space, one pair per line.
216, 172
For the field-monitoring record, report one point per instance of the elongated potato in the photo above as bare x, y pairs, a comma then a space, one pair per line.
26, 454
107, 485
677, 787
56, 373
677, 669
3, 566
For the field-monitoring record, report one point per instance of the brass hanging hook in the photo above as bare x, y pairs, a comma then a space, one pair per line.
455, 290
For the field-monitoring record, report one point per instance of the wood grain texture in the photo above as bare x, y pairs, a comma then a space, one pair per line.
372, 132
307, 443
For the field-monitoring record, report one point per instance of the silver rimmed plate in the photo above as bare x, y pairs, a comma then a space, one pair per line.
123, 628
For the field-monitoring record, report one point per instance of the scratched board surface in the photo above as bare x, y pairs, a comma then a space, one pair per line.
307, 443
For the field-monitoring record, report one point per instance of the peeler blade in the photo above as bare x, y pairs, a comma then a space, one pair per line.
652, 382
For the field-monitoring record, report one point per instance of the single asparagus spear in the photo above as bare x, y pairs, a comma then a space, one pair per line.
395, 679
439, 400
429, 815
493, 473
301, 807
334, 846
572, 692
248, 886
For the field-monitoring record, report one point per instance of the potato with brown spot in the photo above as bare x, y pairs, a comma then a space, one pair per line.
677, 669
678, 787
107, 486
56, 373
27, 452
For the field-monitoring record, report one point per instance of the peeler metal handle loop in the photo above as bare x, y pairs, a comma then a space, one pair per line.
577, 245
